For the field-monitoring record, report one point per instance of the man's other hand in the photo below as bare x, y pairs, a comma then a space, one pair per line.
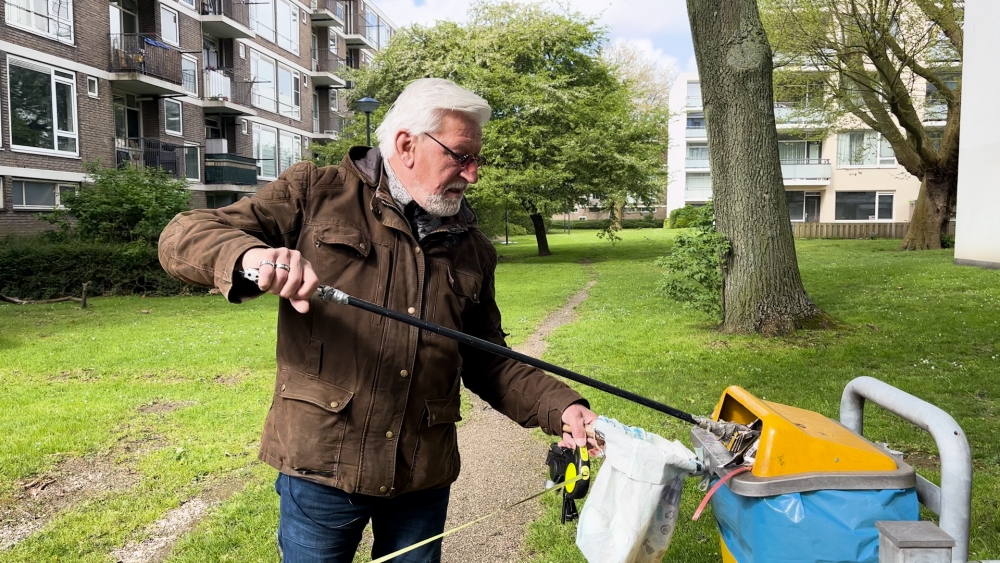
283, 272
577, 417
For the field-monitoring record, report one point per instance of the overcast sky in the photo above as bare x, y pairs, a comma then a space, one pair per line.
658, 27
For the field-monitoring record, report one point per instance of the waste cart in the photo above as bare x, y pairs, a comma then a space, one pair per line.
799, 487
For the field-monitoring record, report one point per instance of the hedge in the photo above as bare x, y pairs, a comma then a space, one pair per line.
38, 269
597, 225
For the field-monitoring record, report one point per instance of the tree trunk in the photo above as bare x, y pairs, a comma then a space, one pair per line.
762, 289
543, 243
617, 214
932, 212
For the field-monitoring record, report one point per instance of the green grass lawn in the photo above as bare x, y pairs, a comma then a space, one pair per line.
176, 389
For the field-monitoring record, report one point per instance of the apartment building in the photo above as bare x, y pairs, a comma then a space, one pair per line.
225, 94
846, 177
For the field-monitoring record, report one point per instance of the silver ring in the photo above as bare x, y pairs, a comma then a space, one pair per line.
265, 263
284, 267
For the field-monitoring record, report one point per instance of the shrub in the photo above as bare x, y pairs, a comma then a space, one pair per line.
683, 217
39, 269
603, 223
121, 205
694, 265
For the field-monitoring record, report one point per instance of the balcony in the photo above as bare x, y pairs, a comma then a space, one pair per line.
143, 152
328, 70
697, 195
695, 163
328, 13
230, 169
796, 114
360, 35
693, 102
935, 110
327, 125
695, 133
806, 172
227, 19
143, 65
226, 93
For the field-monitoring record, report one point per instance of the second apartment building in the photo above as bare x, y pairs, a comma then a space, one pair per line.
223, 93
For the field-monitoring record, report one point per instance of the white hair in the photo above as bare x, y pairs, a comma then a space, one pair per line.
421, 107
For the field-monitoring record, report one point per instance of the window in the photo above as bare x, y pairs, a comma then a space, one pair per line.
288, 26
697, 155
169, 28
800, 152
53, 19
936, 105
172, 117
188, 3
290, 150
371, 26
262, 18
189, 75
864, 206
243, 51
33, 194
289, 97
864, 148
192, 164
694, 94
215, 200
243, 123
262, 75
803, 206
92, 86
265, 144
42, 108
696, 121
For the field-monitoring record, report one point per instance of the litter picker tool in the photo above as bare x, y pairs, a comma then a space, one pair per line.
724, 430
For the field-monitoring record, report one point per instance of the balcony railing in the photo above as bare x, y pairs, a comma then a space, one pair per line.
695, 132
693, 101
225, 84
796, 113
143, 152
806, 169
236, 10
328, 62
144, 54
698, 194
333, 6
230, 169
696, 163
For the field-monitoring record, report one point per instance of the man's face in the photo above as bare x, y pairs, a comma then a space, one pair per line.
439, 178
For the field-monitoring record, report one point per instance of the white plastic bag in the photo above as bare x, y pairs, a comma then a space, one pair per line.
631, 511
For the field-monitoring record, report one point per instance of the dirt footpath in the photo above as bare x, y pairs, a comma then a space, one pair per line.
501, 464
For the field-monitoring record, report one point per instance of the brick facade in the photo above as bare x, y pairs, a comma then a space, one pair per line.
91, 55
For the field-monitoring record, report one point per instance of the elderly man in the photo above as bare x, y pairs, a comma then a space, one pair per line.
362, 423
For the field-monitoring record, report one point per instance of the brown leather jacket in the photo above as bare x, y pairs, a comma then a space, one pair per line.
363, 403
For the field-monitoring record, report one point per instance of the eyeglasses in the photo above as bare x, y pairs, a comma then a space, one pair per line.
462, 159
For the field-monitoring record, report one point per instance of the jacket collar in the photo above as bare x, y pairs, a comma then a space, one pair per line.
367, 163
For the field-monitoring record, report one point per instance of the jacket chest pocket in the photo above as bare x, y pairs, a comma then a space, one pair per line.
457, 291
347, 260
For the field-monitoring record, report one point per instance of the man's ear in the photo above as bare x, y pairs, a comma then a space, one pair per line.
405, 147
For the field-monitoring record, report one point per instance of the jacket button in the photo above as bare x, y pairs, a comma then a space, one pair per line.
404, 373
282, 386
334, 404
417, 250
411, 310
317, 244
388, 434
361, 245
383, 489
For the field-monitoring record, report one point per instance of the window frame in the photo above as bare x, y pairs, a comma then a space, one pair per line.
876, 140
193, 60
177, 21
255, 144
95, 93
255, 95
57, 191
295, 80
180, 118
47, 34
879, 194
54, 79
291, 43
295, 140
263, 7
197, 152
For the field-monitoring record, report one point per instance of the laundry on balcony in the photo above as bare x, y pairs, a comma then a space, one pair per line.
155, 43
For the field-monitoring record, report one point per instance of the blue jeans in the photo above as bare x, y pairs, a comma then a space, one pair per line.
320, 524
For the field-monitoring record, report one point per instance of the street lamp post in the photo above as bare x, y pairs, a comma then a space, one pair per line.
367, 105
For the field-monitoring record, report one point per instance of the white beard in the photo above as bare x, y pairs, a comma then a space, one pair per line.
441, 205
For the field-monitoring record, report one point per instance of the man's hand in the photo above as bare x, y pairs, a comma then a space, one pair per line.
283, 272
577, 417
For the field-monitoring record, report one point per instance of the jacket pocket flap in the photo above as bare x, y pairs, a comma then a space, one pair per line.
345, 236
466, 284
446, 410
301, 387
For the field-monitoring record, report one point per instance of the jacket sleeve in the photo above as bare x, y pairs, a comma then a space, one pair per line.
525, 394
202, 246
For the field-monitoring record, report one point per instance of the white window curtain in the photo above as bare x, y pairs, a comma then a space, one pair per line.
857, 148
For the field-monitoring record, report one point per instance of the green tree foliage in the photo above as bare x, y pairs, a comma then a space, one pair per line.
694, 264
564, 128
122, 205
893, 66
